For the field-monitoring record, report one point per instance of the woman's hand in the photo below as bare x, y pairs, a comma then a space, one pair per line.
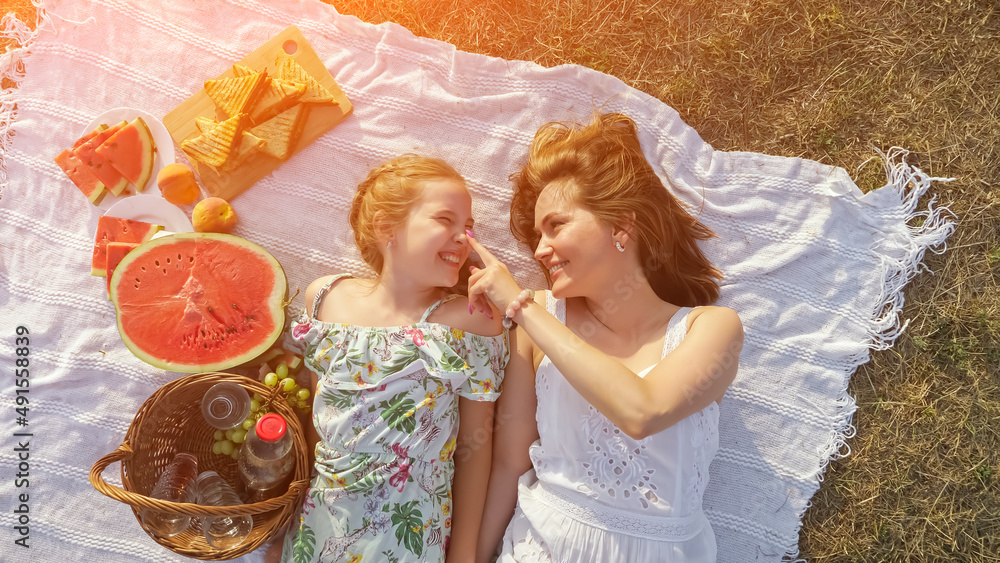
492, 283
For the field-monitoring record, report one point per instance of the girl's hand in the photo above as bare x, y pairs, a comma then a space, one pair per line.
491, 284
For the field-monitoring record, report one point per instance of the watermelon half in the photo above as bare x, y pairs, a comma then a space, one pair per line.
197, 302
131, 151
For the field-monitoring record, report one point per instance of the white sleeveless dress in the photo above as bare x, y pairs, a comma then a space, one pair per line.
597, 495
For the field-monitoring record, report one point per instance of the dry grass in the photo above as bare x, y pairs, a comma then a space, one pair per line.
828, 80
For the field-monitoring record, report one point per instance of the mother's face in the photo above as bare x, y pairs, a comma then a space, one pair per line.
573, 246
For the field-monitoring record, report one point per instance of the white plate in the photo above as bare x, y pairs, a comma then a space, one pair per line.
152, 209
163, 156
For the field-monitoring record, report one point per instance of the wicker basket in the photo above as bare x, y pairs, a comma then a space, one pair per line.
169, 422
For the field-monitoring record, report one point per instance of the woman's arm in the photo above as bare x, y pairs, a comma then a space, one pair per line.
472, 471
514, 430
687, 380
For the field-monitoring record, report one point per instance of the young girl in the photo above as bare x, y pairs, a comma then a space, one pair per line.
399, 362
612, 397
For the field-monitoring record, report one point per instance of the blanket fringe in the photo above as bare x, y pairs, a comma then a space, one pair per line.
925, 230
12, 68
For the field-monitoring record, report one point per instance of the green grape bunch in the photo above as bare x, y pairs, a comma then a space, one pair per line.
229, 442
296, 395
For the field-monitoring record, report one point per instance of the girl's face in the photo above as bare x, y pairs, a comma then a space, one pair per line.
573, 245
432, 246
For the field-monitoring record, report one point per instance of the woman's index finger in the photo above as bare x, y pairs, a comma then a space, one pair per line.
479, 249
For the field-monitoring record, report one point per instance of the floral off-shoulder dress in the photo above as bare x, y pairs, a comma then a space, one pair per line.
386, 409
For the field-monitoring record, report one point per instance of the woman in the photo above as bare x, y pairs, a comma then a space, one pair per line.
612, 398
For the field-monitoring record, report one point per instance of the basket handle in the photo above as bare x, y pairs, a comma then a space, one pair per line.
139, 502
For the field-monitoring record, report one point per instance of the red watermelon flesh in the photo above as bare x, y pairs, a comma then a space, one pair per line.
198, 302
131, 151
81, 175
113, 229
101, 167
116, 251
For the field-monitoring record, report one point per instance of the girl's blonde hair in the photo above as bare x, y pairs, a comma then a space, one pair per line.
392, 189
614, 181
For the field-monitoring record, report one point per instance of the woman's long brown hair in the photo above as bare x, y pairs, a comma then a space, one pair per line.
614, 181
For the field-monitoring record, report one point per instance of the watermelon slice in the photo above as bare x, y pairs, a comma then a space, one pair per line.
199, 302
293, 361
81, 175
90, 135
113, 229
112, 179
131, 151
270, 355
115, 252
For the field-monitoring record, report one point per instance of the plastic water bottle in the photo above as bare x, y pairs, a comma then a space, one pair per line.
177, 483
225, 405
266, 459
221, 532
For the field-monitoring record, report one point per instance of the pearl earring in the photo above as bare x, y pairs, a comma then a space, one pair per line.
619, 246
388, 245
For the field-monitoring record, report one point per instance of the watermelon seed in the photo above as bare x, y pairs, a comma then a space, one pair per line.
164, 270
157, 262
168, 260
143, 268
137, 280
178, 255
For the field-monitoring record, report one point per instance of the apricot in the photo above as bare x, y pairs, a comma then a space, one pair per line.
177, 184
213, 215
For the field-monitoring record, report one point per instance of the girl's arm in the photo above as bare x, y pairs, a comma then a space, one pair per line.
686, 381
514, 431
472, 471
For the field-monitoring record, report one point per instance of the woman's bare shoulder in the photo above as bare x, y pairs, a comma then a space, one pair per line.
714, 318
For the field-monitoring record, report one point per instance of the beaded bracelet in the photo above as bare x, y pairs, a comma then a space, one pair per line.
520, 302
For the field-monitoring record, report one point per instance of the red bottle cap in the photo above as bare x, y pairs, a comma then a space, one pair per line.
271, 427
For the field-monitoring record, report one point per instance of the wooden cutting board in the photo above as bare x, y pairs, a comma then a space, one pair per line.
320, 119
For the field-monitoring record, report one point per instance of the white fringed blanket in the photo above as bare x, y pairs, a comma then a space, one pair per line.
815, 269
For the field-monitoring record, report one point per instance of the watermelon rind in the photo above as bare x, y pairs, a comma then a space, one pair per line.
148, 153
275, 304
